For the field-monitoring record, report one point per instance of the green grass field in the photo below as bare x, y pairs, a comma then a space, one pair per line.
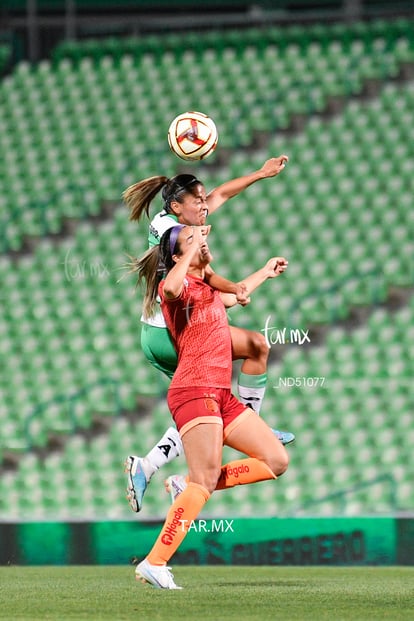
209, 594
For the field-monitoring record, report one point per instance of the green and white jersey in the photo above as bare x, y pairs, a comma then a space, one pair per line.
160, 223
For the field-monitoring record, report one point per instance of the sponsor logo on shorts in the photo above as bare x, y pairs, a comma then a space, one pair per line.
211, 405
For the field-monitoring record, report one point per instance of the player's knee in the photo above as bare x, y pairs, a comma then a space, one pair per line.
279, 461
259, 347
207, 478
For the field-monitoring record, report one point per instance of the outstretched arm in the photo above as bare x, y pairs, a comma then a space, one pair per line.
274, 267
220, 195
174, 281
226, 286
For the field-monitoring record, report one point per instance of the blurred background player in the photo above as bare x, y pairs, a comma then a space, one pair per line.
185, 201
206, 413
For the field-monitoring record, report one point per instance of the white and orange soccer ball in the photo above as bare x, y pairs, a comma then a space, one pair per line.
192, 136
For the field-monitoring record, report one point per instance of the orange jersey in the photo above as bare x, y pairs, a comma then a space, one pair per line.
197, 321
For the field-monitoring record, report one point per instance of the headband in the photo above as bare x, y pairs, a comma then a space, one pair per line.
184, 186
180, 187
175, 231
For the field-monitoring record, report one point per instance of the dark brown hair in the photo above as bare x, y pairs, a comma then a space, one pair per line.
154, 265
138, 197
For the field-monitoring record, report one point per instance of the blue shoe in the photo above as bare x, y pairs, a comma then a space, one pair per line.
137, 482
284, 436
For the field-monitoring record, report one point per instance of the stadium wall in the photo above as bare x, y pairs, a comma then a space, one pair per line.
241, 541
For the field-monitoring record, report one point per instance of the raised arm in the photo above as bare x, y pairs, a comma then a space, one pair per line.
174, 281
274, 267
226, 286
222, 193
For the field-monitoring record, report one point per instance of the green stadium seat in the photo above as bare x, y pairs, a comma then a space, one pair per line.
100, 118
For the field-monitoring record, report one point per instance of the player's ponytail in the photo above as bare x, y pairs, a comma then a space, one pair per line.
153, 265
138, 197
150, 272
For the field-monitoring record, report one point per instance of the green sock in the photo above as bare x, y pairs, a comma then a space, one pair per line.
251, 389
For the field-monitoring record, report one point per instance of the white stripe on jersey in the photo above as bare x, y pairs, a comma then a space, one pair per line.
160, 223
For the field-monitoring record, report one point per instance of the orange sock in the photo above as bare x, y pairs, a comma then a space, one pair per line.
182, 512
244, 471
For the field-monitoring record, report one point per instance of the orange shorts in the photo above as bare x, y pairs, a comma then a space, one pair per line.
192, 406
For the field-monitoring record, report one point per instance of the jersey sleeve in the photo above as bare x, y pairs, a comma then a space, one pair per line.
183, 294
160, 223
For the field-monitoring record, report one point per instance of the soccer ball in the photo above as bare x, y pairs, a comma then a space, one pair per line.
192, 136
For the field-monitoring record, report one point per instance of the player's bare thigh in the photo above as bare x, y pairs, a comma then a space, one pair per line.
203, 444
254, 438
251, 347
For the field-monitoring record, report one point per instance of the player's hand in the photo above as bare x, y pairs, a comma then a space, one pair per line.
201, 239
275, 266
205, 229
274, 166
197, 239
241, 294
200, 233
205, 252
